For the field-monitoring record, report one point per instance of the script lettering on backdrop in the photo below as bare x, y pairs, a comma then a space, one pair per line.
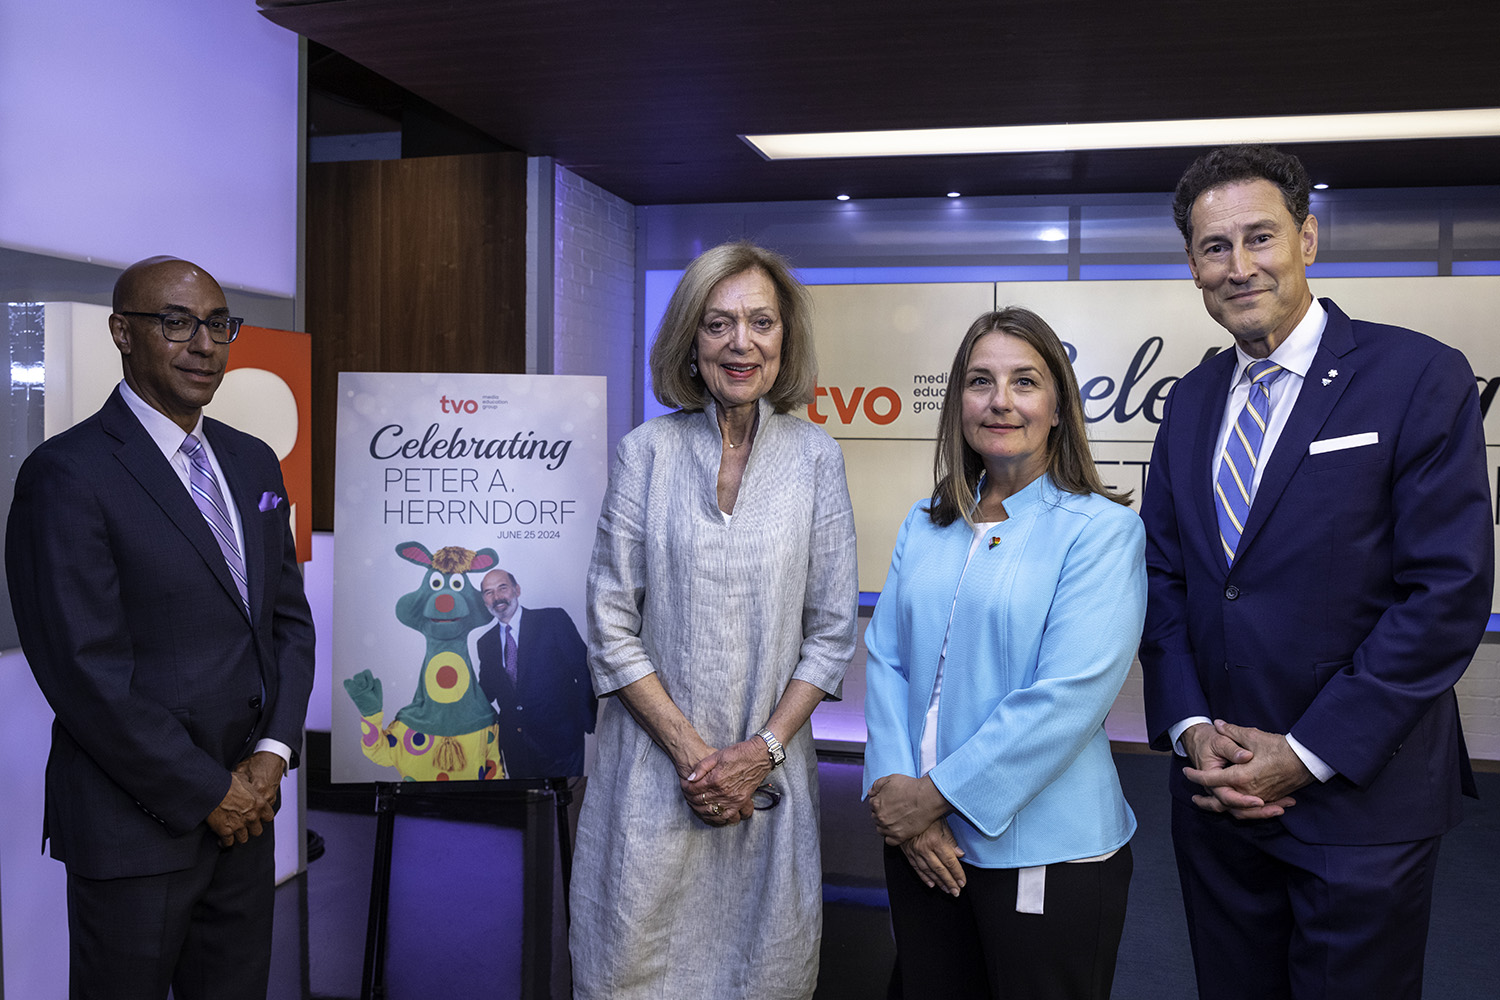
884, 353
442, 479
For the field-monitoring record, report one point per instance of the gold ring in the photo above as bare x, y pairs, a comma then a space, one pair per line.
716, 809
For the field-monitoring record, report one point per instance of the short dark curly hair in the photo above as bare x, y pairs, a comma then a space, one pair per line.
1228, 164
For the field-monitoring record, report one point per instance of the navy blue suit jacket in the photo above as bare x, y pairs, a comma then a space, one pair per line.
546, 711
138, 638
1360, 588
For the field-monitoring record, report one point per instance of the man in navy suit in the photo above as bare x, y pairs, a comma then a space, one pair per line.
532, 667
160, 606
1320, 568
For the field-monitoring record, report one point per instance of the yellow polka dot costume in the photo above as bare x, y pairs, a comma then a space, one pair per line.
449, 731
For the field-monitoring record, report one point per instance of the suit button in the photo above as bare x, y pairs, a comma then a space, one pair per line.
1231, 592
255, 703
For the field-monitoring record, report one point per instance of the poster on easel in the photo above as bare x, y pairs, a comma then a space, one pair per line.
465, 507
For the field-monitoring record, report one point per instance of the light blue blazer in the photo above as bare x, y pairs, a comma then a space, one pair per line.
1045, 625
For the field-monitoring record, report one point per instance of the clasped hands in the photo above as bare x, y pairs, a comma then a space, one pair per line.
251, 799
909, 813
1247, 772
720, 786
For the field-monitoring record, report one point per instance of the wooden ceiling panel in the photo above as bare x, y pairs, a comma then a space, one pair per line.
647, 99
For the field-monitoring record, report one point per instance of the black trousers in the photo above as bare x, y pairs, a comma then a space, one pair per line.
204, 931
978, 946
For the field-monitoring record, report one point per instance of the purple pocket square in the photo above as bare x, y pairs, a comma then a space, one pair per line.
270, 501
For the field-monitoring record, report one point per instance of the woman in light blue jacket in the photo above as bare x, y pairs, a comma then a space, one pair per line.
1008, 621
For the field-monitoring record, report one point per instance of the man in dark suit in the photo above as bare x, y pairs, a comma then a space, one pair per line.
532, 666
1320, 563
160, 606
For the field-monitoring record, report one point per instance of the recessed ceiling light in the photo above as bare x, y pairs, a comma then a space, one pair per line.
1052, 234
1320, 186
1474, 122
842, 197
27, 374
953, 194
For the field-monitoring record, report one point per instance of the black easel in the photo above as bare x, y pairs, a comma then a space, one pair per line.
372, 981
562, 796
430, 798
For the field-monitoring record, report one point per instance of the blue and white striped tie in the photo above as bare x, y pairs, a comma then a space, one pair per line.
204, 487
1241, 454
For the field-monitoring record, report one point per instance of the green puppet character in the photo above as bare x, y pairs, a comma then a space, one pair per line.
449, 732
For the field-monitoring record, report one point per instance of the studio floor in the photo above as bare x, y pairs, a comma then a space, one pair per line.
462, 942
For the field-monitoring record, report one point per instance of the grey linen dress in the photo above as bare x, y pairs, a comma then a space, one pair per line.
664, 906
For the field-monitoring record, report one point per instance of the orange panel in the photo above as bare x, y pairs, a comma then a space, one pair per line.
287, 355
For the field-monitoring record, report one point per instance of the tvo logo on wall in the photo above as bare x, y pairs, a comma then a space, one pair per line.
879, 405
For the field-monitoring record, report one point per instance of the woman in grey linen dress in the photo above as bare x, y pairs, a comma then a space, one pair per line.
722, 605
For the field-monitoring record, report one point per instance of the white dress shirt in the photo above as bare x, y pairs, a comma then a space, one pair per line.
169, 437
1295, 354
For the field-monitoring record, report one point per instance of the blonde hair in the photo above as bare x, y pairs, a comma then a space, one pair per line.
675, 385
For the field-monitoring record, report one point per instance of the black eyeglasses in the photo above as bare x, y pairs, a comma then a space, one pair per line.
766, 797
180, 327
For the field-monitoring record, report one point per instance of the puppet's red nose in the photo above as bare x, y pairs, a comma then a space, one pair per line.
444, 603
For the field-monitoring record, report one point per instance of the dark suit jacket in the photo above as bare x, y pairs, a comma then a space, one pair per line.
137, 637
544, 714
1360, 589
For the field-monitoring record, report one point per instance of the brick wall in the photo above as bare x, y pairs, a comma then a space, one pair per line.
594, 291
1479, 701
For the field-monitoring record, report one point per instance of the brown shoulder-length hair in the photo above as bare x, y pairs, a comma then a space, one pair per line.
675, 385
957, 467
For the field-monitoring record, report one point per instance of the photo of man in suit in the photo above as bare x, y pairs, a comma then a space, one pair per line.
1320, 565
155, 586
532, 666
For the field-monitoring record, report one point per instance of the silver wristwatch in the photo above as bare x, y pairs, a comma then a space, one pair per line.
778, 752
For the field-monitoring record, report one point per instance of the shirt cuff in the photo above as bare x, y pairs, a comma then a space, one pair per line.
279, 749
1312, 761
1176, 731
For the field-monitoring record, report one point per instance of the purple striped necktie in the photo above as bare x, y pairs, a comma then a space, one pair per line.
204, 487
1242, 455
510, 652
